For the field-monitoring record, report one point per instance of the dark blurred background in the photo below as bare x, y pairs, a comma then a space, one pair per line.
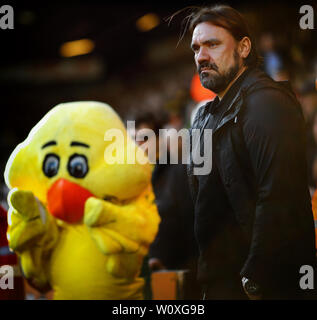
128, 57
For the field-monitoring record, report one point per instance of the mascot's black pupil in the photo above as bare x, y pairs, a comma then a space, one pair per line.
77, 166
51, 165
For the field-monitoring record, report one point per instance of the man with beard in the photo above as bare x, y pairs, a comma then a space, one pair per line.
253, 217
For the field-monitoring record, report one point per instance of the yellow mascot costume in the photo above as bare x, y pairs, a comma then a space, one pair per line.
79, 223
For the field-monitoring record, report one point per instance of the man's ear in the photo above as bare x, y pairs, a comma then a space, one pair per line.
244, 47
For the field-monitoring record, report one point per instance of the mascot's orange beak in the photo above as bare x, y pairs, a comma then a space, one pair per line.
66, 200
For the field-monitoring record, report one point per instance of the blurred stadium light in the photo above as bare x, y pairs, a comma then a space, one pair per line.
148, 22
77, 48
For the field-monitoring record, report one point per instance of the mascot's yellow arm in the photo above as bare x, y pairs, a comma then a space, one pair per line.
110, 227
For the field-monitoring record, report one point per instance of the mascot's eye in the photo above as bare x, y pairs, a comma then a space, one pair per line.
51, 165
77, 166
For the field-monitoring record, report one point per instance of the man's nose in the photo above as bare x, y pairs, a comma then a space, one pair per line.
202, 56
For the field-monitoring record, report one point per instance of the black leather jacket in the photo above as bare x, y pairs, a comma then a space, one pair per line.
259, 150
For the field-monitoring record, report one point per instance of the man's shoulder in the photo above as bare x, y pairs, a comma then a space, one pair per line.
271, 104
257, 79
261, 90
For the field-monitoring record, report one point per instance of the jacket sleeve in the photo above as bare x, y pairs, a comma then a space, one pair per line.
274, 134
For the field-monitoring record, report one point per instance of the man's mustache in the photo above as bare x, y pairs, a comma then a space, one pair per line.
208, 65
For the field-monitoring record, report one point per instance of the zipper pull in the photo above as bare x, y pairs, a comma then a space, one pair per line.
235, 119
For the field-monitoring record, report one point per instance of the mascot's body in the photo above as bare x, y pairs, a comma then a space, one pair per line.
81, 224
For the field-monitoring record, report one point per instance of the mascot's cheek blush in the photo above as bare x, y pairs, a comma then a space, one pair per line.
66, 200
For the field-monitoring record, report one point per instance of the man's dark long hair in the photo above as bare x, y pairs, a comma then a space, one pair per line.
228, 18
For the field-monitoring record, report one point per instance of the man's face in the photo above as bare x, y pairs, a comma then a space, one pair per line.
216, 56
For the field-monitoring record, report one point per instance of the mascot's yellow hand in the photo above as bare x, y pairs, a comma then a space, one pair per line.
100, 217
31, 234
123, 232
27, 219
124, 256
122, 227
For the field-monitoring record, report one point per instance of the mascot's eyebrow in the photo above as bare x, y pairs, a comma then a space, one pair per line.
80, 144
50, 143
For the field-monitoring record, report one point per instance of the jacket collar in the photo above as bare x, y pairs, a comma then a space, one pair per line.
233, 97
234, 89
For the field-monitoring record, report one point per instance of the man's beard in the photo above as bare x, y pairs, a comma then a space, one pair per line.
215, 81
